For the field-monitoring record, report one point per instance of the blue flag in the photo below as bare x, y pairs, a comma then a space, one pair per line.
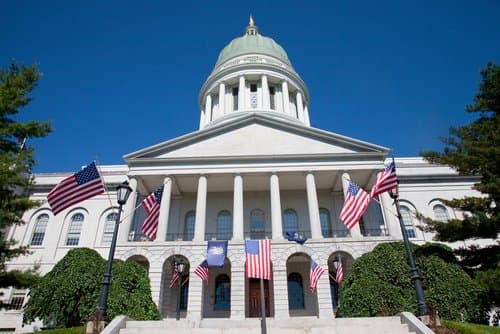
295, 236
216, 253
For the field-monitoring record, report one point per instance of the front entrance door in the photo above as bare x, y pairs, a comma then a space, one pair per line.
254, 301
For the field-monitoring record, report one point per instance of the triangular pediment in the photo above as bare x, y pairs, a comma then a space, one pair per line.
256, 135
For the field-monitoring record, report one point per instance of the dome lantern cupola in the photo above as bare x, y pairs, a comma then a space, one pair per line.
253, 74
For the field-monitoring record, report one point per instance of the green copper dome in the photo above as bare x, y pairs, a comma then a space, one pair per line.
252, 42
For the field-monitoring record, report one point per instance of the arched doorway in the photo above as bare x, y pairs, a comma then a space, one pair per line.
254, 297
142, 260
217, 294
174, 291
301, 301
336, 287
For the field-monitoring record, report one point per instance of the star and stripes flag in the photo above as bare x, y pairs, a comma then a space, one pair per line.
355, 204
175, 277
202, 271
152, 206
315, 273
76, 188
386, 180
339, 277
258, 258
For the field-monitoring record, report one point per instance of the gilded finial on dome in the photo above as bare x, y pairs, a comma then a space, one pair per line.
252, 28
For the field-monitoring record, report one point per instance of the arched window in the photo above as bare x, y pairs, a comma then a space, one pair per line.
440, 213
326, 226
257, 224
189, 226
39, 230
109, 227
290, 221
408, 221
224, 225
74, 230
295, 292
222, 293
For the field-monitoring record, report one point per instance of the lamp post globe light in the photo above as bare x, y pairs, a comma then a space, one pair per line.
122, 193
180, 266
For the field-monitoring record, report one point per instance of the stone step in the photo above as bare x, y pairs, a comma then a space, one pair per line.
302, 325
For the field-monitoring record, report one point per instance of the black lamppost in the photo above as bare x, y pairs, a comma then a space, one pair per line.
337, 288
122, 193
415, 277
180, 265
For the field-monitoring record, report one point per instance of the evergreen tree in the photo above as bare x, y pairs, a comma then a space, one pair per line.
474, 149
16, 161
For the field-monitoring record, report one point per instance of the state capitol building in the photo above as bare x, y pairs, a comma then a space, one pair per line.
255, 169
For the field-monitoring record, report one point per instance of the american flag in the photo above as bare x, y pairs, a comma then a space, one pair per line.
339, 277
315, 273
202, 271
386, 181
152, 206
258, 258
355, 204
76, 188
175, 277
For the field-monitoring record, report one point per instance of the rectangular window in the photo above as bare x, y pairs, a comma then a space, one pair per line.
253, 95
235, 98
272, 96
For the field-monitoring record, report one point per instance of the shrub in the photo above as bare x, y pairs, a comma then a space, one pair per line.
379, 284
69, 293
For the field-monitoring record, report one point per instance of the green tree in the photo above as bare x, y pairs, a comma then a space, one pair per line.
379, 284
69, 293
16, 83
474, 149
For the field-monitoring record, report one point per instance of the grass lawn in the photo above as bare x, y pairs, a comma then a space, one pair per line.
467, 328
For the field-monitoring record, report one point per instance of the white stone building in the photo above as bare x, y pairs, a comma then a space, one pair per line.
255, 169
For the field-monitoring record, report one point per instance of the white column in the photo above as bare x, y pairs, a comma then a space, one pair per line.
306, 116
276, 225
355, 232
201, 209
266, 101
238, 208
128, 211
222, 99
155, 277
241, 94
238, 294
300, 106
202, 118
391, 220
208, 109
325, 307
164, 210
280, 288
312, 204
286, 97
195, 295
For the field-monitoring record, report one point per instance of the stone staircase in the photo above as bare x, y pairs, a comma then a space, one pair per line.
296, 325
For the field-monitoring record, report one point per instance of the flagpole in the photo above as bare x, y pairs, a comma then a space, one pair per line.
263, 307
415, 277
102, 180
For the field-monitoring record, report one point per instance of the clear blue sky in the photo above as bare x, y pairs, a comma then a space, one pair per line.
121, 75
